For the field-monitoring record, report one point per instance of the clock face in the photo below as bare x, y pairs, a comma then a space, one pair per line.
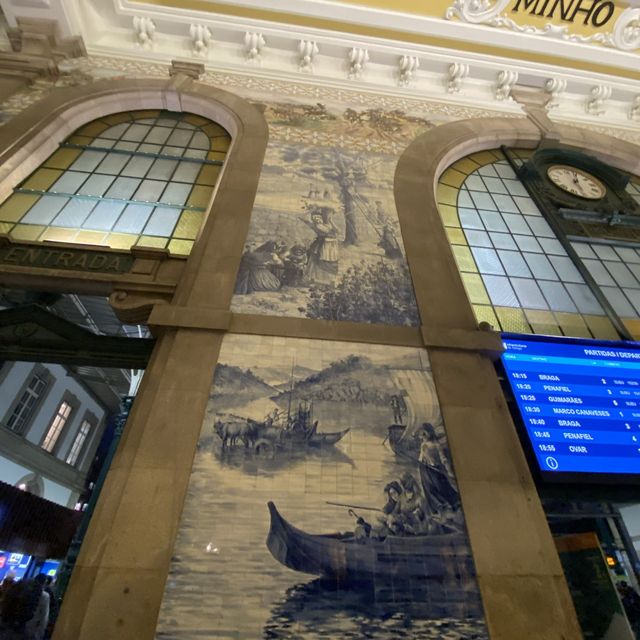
576, 182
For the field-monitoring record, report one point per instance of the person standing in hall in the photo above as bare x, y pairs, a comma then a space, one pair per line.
54, 607
25, 611
631, 603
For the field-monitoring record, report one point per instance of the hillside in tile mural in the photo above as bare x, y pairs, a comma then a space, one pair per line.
325, 240
322, 502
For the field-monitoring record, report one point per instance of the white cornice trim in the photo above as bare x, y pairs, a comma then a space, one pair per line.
276, 51
411, 23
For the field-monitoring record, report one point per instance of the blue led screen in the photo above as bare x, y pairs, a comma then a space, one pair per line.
579, 402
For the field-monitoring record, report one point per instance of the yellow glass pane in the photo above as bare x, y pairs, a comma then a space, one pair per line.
475, 288
464, 258
121, 240
543, 322
633, 327
16, 206
453, 178
572, 324
447, 195
188, 225
145, 113
79, 140
449, 215
27, 231
59, 234
513, 320
62, 158
525, 153
42, 179
117, 118
152, 241
217, 155
193, 119
200, 196
486, 314
180, 247
91, 237
220, 144
483, 157
93, 129
466, 165
209, 174
455, 236
5, 227
602, 328
213, 130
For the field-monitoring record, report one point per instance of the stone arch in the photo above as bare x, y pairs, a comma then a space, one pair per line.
32, 483
433, 268
35, 133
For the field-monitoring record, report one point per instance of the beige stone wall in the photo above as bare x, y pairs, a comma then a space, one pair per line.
118, 584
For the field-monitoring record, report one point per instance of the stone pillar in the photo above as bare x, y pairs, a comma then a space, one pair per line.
117, 585
523, 588
519, 573
118, 581
36, 51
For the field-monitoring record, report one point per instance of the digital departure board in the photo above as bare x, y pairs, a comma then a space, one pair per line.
579, 402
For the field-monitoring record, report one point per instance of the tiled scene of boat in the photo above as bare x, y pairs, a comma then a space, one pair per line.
306, 445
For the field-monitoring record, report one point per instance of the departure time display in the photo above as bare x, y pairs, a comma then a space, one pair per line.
580, 403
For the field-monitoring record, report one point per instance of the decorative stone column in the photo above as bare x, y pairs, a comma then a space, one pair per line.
117, 584
519, 573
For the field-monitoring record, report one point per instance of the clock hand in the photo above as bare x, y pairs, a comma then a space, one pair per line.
576, 180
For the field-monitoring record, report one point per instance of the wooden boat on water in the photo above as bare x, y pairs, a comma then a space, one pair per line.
297, 431
327, 439
442, 562
400, 445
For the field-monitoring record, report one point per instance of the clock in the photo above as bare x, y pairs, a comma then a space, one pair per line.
580, 195
577, 182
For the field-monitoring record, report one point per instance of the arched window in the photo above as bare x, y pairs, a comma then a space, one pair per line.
518, 275
136, 178
31, 483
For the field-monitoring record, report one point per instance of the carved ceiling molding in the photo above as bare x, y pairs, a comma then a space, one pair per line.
257, 88
626, 134
261, 50
36, 49
625, 35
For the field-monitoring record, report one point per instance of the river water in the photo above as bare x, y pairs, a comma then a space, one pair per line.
224, 583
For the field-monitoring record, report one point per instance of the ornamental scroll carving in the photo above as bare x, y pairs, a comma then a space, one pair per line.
626, 32
478, 11
624, 36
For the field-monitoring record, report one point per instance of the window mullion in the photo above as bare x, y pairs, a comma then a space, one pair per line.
571, 252
146, 154
106, 199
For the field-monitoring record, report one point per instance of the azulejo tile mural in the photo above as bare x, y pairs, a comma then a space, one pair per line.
322, 503
325, 239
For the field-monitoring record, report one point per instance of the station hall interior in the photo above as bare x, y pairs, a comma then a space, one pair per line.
319, 319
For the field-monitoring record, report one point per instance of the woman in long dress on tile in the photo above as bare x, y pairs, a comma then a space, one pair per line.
322, 265
257, 268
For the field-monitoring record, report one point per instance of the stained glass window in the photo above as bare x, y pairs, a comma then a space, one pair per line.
138, 178
516, 272
616, 270
633, 188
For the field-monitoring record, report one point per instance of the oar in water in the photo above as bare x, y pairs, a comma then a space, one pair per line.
351, 506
